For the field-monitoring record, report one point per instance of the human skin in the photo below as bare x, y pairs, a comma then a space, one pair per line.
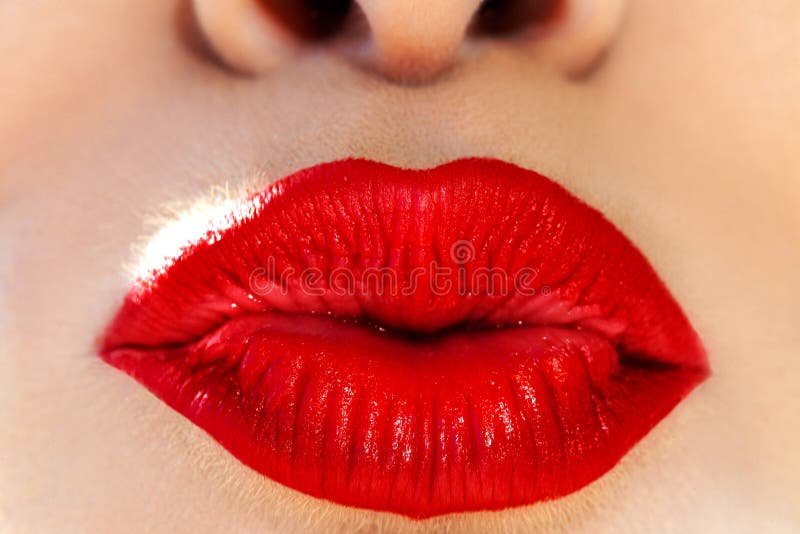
112, 124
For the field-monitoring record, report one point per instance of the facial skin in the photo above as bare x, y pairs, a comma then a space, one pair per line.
111, 123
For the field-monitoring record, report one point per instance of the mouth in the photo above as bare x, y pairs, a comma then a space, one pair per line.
467, 337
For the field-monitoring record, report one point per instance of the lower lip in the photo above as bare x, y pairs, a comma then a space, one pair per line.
417, 403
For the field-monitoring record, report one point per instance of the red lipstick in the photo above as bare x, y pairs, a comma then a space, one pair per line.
466, 337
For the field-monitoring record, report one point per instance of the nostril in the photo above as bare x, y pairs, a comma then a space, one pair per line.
509, 17
254, 36
310, 20
570, 36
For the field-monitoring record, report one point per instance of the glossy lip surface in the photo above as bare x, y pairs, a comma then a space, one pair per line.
466, 337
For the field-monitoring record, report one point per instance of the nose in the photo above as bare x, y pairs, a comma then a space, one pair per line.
406, 40
417, 39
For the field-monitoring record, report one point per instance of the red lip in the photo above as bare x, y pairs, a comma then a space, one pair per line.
419, 341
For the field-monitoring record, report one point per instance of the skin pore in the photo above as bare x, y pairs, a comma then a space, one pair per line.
111, 125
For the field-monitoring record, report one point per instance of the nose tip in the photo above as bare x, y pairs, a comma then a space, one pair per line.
415, 40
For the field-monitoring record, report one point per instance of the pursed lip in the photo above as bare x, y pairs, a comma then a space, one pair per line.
466, 337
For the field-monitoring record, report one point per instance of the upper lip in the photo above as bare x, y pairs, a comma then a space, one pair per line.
589, 292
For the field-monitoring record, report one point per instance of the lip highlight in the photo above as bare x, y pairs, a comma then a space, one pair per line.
466, 337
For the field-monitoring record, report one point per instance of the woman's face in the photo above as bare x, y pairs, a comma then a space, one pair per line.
681, 128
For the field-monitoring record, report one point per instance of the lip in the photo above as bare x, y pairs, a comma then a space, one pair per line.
335, 334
